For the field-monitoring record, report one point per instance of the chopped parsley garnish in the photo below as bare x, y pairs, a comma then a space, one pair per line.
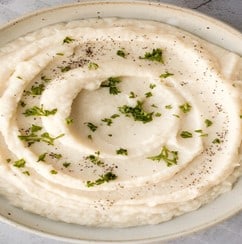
39, 111
42, 157
103, 178
148, 94
45, 79
186, 134
26, 173
166, 155
169, 106
95, 159
19, 163
65, 69
35, 128
152, 86
36, 90
122, 151
8, 160
216, 141
154, 106
19, 77
132, 95
66, 165
53, 172
69, 120
185, 108
108, 121
114, 116
155, 55
60, 54
68, 40
166, 74
158, 114
240, 116
93, 66
121, 53
111, 83
32, 137
138, 113
201, 133
91, 126
56, 155
208, 122
176, 115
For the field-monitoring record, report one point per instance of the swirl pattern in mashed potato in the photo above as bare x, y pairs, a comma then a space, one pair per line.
112, 122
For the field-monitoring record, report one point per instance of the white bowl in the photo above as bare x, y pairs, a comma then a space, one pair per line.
200, 25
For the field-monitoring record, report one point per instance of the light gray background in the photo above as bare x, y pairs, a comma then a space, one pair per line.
230, 11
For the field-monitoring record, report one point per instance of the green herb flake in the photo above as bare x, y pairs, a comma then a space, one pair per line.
42, 157
154, 106
208, 122
158, 114
68, 40
111, 83
8, 160
121, 53
108, 121
109, 176
65, 68
155, 55
69, 121
186, 134
53, 172
56, 155
148, 94
185, 108
91, 126
39, 111
176, 115
60, 54
114, 116
36, 90
89, 137
26, 173
45, 79
216, 141
35, 128
138, 113
95, 159
166, 155
201, 133
169, 106
166, 74
132, 95
93, 66
32, 137
66, 165
152, 86
19, 77
122, 151
19, 163
240, 116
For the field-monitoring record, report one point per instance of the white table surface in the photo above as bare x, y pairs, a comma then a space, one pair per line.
230, 11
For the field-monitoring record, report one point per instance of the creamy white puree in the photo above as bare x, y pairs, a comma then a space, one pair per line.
53, 180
